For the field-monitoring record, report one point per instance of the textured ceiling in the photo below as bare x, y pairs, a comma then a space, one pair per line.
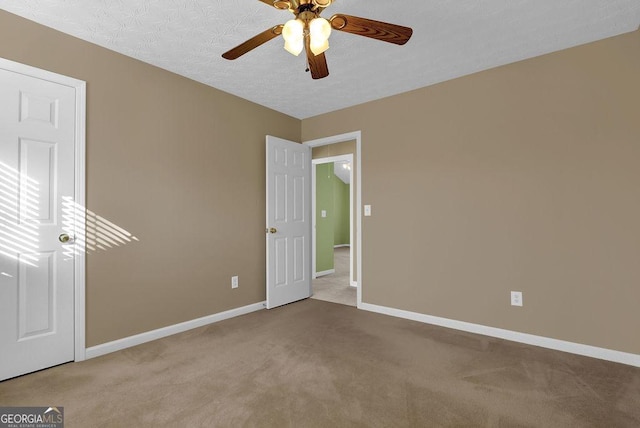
342, 170
451, 38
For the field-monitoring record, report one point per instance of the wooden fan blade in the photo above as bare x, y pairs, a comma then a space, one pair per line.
317, 63
253, 42
369, 28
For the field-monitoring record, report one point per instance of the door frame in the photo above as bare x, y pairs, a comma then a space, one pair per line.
79, 273
314, 163
350, 136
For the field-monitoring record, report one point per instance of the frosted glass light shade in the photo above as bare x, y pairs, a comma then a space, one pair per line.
318, 48
293, 34
294, 47
319, 31
320, 28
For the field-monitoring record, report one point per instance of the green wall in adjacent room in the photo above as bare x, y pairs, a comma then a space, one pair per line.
332, 196
324, 225
341, 207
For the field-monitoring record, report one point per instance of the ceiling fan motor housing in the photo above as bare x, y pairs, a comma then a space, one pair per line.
295, 5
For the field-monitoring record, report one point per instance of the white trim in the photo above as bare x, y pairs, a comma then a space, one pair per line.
353, 283
314, 275
80, 226
357, 136
80, 180
138, 339
514, 336
324, 272
341, 245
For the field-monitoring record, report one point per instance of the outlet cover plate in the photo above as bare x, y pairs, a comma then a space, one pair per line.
516, 298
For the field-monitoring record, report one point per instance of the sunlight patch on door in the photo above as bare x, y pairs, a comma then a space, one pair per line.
20, 225
19, 210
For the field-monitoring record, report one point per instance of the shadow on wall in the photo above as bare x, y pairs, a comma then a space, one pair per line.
20, 210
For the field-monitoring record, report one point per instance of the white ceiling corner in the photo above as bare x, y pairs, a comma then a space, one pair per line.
342, 170
452, 38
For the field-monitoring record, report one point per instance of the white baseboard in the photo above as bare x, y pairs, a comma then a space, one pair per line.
138, 339
514, 336
325, 272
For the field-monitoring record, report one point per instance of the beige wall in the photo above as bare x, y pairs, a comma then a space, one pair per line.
525, 177
337, 149
522, 178
178, 164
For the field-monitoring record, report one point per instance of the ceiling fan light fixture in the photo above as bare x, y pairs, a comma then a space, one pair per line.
293, 34
311, 33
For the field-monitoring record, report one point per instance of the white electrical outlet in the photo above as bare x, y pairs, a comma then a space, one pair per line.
516, 298
234, 282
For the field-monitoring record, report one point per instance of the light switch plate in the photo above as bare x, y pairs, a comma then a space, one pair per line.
367, 210
323, 213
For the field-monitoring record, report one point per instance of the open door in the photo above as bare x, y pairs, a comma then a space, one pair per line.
288, 227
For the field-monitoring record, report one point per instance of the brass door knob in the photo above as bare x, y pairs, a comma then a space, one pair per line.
64, 238
273, 230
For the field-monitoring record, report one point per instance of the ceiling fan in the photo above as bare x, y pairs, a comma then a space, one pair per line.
310, 32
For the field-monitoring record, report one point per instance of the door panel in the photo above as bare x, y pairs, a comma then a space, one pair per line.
37, 195
298, 258
36, 291
37, 149
288, 222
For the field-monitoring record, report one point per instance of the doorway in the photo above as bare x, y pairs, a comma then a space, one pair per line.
332, 223
348, 260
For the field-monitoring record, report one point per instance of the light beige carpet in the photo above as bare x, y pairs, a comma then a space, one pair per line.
336, 287
319, 364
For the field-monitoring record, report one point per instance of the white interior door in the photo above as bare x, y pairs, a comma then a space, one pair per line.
288, 222
37, 144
